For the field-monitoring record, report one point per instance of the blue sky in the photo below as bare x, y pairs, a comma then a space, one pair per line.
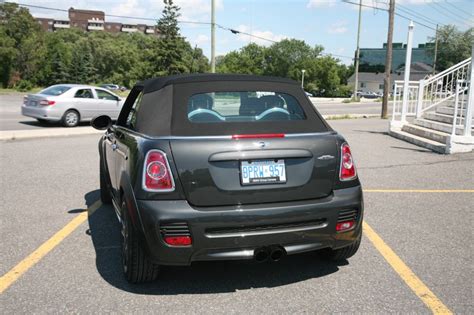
331, 23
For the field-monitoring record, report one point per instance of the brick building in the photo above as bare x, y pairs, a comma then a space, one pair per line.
91, 20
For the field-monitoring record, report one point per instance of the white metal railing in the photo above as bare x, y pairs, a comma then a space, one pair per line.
426, 94
441, 87
413, 87
462, 116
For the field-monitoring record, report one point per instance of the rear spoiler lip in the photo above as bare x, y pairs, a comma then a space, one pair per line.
229, 137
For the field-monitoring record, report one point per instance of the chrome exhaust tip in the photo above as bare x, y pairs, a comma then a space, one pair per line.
277, 253
261, 254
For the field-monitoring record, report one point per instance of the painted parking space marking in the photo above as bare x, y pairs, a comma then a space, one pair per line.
16, 272
407, 275
428, 191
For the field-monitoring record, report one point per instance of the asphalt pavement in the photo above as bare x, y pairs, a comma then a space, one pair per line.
47, 182
11, 118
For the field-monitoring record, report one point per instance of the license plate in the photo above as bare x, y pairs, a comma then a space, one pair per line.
263, 172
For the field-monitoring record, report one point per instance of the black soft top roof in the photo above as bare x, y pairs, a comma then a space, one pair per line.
155, 84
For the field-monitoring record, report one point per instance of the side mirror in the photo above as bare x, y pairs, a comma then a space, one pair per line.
101, 122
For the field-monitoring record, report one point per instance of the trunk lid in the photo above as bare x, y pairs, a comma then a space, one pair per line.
209, 168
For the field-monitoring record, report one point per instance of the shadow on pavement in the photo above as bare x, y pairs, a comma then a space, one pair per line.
373, 132
48, 124
200, 277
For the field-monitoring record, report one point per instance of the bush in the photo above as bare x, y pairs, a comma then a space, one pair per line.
24, 85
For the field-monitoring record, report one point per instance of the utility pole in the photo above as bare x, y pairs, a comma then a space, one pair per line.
302, 78
356, 83
435, 51
388, 59
213, 37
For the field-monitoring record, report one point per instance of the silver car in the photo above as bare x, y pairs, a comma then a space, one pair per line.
71, 104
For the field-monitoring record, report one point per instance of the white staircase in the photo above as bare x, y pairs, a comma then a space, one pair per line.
437, 112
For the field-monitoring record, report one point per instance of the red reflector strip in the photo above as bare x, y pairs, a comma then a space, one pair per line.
344, 226
178, 240
257, 136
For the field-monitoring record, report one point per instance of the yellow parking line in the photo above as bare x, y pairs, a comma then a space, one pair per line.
408, 276
419, 190
16, 272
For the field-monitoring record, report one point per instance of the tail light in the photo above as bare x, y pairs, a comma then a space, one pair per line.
345, 226
348, 170
157, 175
25, 99
178, 240
47, 103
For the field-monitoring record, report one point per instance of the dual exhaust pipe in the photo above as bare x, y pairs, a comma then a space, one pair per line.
274, 253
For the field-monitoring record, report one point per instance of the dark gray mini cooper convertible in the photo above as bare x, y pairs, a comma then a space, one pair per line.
220, 167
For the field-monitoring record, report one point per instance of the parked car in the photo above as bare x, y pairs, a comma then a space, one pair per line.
71, 104
113, 87
368, 94
218, 167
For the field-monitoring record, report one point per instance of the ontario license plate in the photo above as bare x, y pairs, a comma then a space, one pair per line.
263, 172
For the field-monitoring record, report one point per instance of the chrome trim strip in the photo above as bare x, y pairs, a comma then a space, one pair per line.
229, 137
268, 232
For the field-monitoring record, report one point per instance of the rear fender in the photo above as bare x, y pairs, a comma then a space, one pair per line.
128, 197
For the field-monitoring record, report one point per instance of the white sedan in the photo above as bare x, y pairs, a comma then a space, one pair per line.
71, 104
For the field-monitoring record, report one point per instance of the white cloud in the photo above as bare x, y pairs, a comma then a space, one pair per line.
320, 3
200, 40
263, 34
339, 27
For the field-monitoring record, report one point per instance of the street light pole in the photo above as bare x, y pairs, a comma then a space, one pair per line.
213, 37
356, 83
302, 78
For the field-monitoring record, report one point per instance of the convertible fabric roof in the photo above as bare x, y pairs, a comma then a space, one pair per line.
155, 84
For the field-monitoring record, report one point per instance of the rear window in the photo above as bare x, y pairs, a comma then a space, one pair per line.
55, 90
243, 106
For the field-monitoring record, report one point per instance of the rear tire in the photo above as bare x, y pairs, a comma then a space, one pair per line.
70, 118
137, 267
105, 196
345, 252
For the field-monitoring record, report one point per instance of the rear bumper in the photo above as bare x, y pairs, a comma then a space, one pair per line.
42, 112
224, 233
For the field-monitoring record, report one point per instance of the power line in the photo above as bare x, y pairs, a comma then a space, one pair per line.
108, 15
418, 15
443, 12
234, 31
396, 13
463, 12
449, 10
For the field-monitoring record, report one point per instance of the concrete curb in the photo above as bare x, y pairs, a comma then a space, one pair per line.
46, 133
350, 116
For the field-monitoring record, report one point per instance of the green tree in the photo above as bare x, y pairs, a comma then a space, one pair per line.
7, 57
170, 44
23, 41
250, 59
453, 46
